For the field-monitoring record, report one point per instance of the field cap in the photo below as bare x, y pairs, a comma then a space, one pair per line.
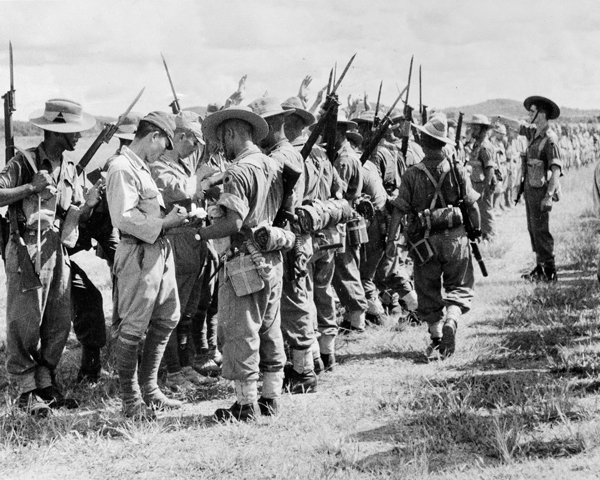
546, 103
190, 121
127, 129
436, 127
165, 122
63, 116
268, 107
295, 104
260, 129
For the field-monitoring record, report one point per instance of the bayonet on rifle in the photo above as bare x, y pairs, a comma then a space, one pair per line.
375, 118
385, 123
175, 103
343, 74
9, 108
104, 137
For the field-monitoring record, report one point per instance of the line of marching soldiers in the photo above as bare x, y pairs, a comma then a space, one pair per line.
207, 278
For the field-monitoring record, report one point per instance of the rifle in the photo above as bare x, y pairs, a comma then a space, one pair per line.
407, 115
9, 108
385, 123
103, 137
472, 233
376, 118
422, 108
326, 126
175, 103
331, 106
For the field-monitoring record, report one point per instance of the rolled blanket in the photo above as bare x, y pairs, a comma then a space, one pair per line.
319, 215
269, 239
340, 211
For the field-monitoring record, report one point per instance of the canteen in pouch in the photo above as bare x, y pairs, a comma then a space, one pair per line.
357, 231
243, 275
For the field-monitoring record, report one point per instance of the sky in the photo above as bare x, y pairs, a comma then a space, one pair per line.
101, 53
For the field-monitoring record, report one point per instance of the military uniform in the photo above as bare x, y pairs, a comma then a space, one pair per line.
251, 324
145, 289
446, 280
39, 320
321, 183
346, 279
542, 154
176, 183
481, 158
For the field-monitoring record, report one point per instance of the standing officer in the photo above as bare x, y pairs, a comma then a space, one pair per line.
542, 167
145, 290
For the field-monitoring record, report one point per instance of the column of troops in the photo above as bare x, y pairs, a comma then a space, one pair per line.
232, 253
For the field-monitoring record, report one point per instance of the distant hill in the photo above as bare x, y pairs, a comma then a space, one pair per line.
515, 109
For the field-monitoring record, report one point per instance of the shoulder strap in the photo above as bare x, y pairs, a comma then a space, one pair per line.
436, 185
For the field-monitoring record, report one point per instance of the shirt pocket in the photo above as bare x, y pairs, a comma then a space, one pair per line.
536, 173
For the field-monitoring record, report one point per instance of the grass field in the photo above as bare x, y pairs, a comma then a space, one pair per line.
518, 400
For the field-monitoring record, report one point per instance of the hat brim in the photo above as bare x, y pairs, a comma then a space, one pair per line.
355, 137
348, 123
307, 117
274, 113
362, 120
86, 122
440, 138
260, 129
537, 99
125, 136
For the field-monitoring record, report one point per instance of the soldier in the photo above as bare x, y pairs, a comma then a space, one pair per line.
296, 307
482, 164
322, 182
443, 268
346, 278
89, 322
498, 141
145, 291
250, 322
178, 185
542, 167
41, 186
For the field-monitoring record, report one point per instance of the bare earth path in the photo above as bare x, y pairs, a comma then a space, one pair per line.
518, 400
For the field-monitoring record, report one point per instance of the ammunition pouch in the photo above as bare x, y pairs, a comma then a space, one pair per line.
440, 219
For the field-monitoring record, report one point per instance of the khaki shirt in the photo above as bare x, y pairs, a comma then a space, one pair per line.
253, 187
18, 172
348, 166
136, 206
174, 180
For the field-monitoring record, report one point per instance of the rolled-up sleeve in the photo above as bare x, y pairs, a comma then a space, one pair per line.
234, 195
